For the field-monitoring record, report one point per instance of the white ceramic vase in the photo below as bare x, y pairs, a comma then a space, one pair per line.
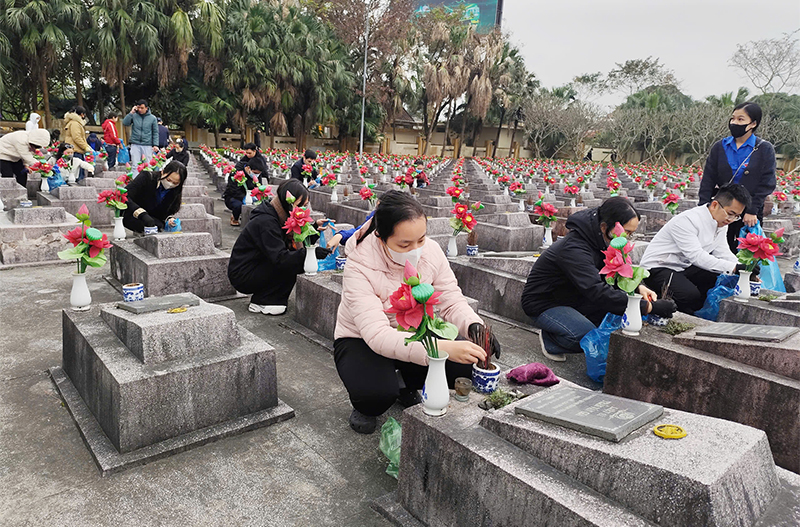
522, 205
741, 293
310, 265
119, 229
452, 247
548, 237
80, 298
572, 202
45, 186
632, 318
435, 393
334, 195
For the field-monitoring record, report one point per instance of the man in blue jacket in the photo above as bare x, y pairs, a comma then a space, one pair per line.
144, 132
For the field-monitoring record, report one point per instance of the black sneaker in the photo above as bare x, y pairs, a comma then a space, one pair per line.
409, 398
363, 424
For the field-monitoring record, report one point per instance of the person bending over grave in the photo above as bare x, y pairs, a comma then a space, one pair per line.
691, 250
265, 260
419, 174
250, 153
368, 348
745, 159
16, 152
155, 197
565, 295
179, 152
298, 168
236, 192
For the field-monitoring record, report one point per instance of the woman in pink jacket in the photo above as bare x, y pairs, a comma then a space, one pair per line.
368, 348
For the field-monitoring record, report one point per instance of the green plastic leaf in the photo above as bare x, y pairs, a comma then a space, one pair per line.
422, 292
98, 261
629, 285
421, 330
444, 330
73, 253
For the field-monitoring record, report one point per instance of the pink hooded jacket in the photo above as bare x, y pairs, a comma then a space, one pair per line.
370, 277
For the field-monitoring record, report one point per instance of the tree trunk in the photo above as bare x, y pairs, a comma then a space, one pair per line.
123, 106
45, 98
463, 130
447, 127
432, 127
76, 72
513, 134
499, 129
217, 140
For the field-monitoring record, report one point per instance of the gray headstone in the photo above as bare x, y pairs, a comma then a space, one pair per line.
594, 413
177, 245
39, 216
747, 332
159, 303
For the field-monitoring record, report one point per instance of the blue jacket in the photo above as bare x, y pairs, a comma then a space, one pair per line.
144, 128
758, 177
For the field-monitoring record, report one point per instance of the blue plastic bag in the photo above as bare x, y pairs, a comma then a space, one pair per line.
123, 154
176, 228
55, 180
329, 263
595, 346
770, 272
721, 290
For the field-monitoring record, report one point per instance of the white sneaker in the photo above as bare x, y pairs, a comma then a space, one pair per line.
554, 357
267, 310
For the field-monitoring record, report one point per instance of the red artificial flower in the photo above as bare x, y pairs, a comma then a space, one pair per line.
75, 236
363, 170
459, 210
767, 250
454, 192
469, 221
615, 264
407, 311
671, 198
239, 177
366, 193
97, 246
153, 162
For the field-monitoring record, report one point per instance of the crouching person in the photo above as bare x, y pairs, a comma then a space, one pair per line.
155, 197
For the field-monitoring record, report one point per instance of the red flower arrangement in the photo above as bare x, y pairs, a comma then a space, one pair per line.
240, 178
517, 188
307, 170
454, 193
546, 212
617, 266
463, 219
755, 249
299, 223
114, 199
88, 243
671, 199
260, 193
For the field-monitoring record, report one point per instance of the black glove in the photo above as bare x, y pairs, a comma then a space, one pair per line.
322, 252
756, 272
473, 332
147, 220
664, 308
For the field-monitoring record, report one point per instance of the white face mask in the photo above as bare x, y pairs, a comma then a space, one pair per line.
412, 256
167, 184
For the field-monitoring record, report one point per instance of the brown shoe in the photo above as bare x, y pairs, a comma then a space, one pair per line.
234, 221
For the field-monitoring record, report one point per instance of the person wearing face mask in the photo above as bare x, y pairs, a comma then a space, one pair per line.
419, 174
368, 348
16, 152
565, 294
308, 159
235, 194
265, 260
745, 159
155, 197
71, 166
690, 251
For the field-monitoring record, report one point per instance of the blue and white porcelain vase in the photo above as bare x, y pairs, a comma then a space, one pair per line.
435, 393
632, 318
485, 381
133, 292
741, 293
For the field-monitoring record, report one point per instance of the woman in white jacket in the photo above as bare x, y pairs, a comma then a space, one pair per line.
70, 166
16, 152
33, 122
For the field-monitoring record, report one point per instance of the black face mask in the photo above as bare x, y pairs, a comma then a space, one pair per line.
738, 130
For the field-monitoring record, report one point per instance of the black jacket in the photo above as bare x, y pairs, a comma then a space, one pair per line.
568, 274
297, 171
236, 191
183, 157
758, 177
264, 241
142, 194
244, 161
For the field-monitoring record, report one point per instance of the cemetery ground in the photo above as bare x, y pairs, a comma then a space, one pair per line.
309, 470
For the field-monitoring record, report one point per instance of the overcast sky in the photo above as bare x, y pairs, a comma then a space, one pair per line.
695, 38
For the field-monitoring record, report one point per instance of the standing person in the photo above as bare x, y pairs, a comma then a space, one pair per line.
155, 197
257, 138
745, 159
163, 135
308, 159
16, 152
691, 251
111, 138
565, 295
235, 193
144, 132
368, 348
75, 134
264, 260
33, 122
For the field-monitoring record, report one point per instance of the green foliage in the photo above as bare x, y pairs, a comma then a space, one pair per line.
629, 285
674, 327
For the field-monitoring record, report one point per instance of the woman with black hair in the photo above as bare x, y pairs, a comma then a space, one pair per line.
235, 193
565, 295
264, 260
745, 159
155, 197
369, 349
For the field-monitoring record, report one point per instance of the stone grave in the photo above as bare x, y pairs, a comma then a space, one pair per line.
194, 218
34, 235
11, 193
753, 382
71, 198
756, 311
146, 383
171, 263
512, 470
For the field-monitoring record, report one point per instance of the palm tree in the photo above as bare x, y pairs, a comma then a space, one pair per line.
79, 38
727, 100
203, 104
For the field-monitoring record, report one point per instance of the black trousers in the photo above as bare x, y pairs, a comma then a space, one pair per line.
371, 380
15, 169
235, 205
688, 288
268, 287
733, 232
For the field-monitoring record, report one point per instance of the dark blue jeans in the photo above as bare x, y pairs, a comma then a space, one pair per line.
81, 172
111, 150
562, 329
235, 205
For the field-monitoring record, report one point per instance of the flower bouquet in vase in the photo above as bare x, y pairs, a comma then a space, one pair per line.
463, 220
755, 249
670, 200
650, 185
368, 194
412, 305
504, 181
572, 191
547, 215
455, 193
260, 193
117, 200
518, 190
301, 226
619, 271
331, 181
88, 250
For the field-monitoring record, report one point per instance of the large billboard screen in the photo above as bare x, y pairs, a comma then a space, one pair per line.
485, 15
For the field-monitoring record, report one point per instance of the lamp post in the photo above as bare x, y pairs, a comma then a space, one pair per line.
364, 90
